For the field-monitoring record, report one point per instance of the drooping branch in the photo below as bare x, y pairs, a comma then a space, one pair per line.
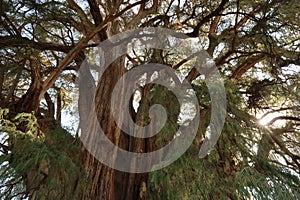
294, 157
268, 139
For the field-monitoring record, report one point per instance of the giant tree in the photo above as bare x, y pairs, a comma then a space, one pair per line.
255, 46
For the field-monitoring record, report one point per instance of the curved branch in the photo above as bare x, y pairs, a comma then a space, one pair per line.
245, 66
282, 118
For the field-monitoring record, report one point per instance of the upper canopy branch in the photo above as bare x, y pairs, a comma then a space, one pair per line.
80, 46
195, 32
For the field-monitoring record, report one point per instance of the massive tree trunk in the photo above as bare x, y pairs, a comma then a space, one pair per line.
107, 183
110, 184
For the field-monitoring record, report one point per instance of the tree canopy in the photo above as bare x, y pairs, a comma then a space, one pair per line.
255, 46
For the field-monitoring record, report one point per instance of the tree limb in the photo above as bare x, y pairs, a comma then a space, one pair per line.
79, 47
18, 41
246, 65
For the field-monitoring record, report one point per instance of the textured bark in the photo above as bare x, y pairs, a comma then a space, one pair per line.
107, 183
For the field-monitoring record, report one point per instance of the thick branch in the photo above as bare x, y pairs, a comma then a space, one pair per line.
18, 41
50, 105
97, 17
245, 66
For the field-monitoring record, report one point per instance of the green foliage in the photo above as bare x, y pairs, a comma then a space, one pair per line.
250, 161
164, 97
34, 162
231, 169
